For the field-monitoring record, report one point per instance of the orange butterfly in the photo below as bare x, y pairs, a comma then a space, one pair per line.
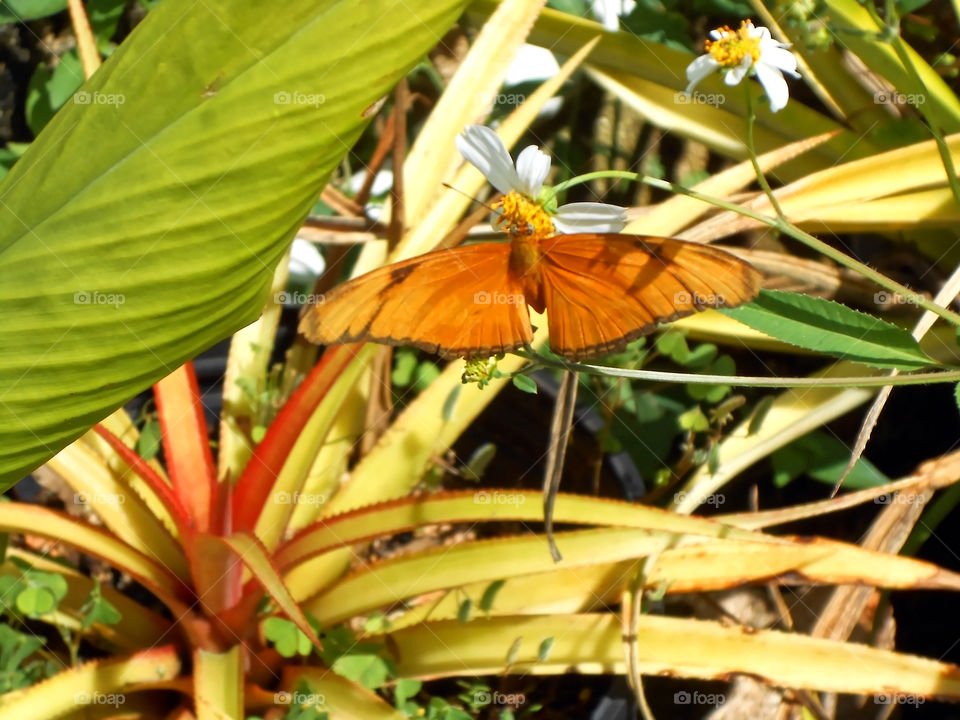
601, 291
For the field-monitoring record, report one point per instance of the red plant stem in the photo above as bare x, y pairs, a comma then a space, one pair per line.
186, 445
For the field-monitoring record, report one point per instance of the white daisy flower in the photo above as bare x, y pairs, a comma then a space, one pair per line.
739, 52
522, 209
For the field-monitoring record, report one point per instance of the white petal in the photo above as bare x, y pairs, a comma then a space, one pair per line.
533, 165
589, 217
531, 63
609, 13
779, 58
305, 260
484, 149
773, 85
699, 69
735, 75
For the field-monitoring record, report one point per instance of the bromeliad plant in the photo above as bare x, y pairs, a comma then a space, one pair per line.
238, 586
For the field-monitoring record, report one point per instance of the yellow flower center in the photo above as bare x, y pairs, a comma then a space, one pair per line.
734, 45
519, 215
479, 371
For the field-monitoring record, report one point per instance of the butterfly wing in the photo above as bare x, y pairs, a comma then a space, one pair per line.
604, 290
460, 302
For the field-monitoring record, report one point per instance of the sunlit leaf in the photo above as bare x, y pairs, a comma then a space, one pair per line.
183, 167
829, 327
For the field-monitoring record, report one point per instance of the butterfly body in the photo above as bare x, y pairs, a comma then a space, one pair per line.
600, 291
526, 256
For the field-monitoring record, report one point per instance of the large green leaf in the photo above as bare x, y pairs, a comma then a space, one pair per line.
144, 223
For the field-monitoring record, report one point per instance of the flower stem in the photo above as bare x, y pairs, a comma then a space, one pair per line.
919, 378
751, 151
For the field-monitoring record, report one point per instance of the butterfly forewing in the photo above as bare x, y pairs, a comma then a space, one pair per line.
604, 290
460, 302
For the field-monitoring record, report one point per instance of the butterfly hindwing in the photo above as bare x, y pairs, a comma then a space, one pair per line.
604, 290
456, 302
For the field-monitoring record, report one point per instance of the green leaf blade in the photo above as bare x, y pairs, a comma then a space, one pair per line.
183, 168
829, 327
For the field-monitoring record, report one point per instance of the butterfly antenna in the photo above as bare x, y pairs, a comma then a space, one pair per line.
470, 197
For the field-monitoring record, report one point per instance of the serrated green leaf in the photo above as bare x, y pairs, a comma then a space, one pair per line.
180, 181
829, 327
